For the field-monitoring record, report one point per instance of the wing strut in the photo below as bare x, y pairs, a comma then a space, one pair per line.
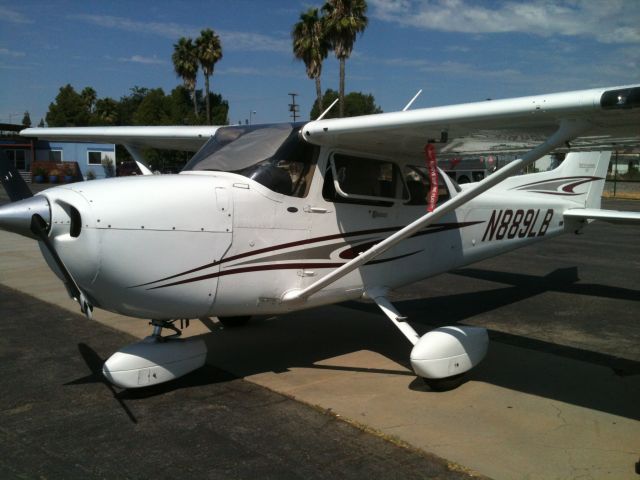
568, 130
379, 296
139, 159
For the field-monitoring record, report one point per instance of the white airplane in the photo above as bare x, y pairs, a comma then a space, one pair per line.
277, 218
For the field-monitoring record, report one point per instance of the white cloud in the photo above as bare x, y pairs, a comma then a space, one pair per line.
231, 40
611, 21
164, 29
253, 42
260, 72
453, 68
4, 66
144, 60
11, 53
12, 16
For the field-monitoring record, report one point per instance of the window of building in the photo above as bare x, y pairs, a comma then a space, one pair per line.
19, 158
418, 183
55, 156
366, 181
94, 158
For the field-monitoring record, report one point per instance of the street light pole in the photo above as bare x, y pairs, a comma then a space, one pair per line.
251, 114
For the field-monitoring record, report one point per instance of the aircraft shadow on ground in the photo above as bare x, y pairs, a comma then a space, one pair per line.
581, 377
206, 375
277, 344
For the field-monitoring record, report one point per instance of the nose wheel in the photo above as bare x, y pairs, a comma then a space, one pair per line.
158, 325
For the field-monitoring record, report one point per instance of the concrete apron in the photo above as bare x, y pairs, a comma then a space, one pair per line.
522, 414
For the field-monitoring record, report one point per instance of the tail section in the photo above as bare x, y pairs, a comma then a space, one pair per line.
580, 178
590, 170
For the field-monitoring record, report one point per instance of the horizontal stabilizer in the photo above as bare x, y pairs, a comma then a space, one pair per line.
611, 216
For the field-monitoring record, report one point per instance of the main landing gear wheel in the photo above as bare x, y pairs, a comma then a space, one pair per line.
234, 322
445, 384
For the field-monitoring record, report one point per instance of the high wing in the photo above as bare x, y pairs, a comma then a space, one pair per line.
186, 138
588, 119
491, 126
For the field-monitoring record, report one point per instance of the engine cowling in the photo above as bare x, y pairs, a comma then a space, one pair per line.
449, 351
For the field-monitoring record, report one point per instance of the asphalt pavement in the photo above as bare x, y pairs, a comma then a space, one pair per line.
60, 419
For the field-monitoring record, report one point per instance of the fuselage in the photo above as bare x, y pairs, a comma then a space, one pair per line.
206, 243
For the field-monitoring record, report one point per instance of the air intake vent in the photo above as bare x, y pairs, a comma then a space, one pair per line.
76, 222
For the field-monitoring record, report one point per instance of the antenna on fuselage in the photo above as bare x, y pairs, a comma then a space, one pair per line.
327, 110
412, 100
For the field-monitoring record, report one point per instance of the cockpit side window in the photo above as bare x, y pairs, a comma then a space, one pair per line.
367, 181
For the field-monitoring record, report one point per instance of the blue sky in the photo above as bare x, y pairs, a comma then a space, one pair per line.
455, 50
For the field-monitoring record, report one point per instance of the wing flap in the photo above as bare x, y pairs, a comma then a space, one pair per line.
611, 216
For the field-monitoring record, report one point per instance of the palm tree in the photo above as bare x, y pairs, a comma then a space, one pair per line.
185, 63
209, 50
311, 46
344, 19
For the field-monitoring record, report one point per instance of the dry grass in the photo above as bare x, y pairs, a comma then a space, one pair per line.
622, 195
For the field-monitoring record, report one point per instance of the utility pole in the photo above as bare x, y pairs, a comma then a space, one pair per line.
293, 107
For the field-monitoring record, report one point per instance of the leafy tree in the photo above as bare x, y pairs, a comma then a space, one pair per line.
209, 51
41, 124
219, 109
153, 110
356, 103
68, 109
89, 97
344, 19
181, 107
181, 112
105, 112
26, 120
185, 64
129, 104
311, 46
142, 106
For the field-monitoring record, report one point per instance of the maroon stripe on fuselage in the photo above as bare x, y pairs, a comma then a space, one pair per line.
439, 227
281, 266
273, 248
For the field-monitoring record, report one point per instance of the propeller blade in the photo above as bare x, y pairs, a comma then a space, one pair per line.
13, 183
39, 229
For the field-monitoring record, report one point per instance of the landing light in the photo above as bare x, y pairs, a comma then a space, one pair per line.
623, 98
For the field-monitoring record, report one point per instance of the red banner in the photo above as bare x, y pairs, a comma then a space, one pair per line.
432, 167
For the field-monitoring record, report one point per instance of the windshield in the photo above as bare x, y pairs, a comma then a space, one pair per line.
272, 155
